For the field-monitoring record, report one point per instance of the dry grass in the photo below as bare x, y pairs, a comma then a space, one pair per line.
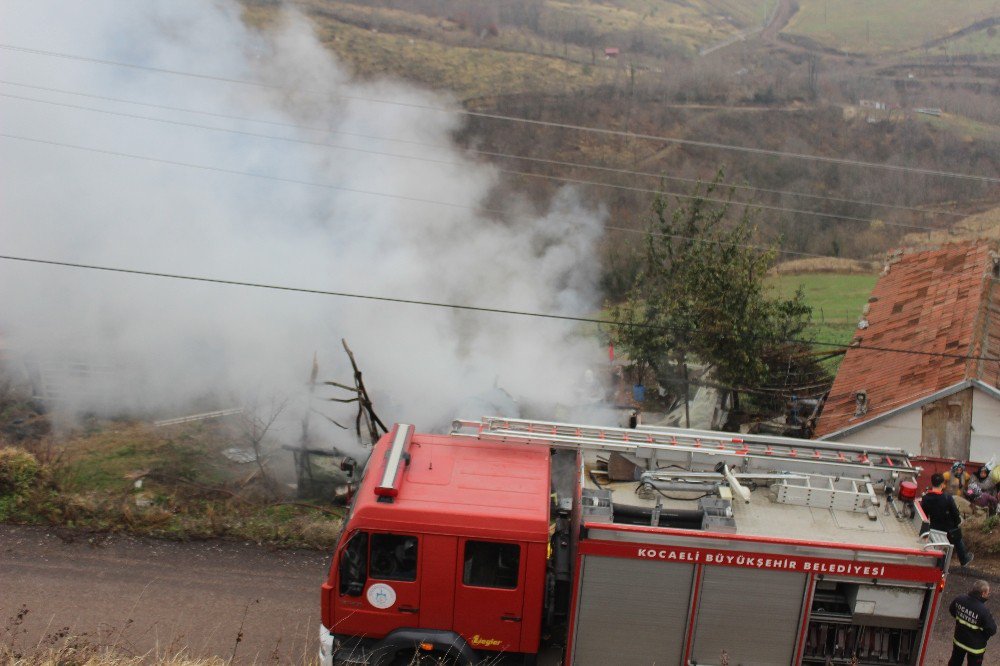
62, 647
826, 265
469, 72
187, 489
980, 42
967, 129
72, 657
693, 24
441, 53
985, 225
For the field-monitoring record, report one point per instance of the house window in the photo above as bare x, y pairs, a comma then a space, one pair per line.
491, 564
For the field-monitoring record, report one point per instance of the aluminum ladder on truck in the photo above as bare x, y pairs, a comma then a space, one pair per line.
693, 448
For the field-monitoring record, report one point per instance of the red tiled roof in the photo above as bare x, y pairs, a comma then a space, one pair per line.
934, 301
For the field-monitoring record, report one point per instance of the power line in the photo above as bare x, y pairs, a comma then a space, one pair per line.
391, 196
529, 121
573, 181
235, 172
485, 153
478, 209
451, 306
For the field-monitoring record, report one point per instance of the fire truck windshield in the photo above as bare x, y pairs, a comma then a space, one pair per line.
354, 565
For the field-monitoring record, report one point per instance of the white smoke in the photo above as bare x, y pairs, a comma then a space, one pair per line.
176, 345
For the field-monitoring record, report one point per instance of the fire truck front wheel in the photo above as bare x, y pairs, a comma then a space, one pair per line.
416, 647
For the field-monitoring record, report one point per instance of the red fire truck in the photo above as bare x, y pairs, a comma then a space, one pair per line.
631, 546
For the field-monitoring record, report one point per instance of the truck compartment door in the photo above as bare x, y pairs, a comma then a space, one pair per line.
754, 615
631, 611
489, 593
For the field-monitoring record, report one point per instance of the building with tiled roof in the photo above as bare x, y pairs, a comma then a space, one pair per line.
941, 399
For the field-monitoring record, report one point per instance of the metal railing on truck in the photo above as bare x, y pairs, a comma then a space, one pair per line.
704, 447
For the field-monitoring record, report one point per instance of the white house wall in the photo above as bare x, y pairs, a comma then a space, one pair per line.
901, 431
985, 427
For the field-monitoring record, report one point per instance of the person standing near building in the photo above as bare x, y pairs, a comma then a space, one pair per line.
974, 625
943, 513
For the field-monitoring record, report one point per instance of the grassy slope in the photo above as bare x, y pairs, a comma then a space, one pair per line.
436, 52
980, 42
188, 490
694, 24
968, 129
864, 26
981, 225
836, 300
469, 72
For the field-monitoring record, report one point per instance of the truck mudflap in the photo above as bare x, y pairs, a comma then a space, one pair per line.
358, 651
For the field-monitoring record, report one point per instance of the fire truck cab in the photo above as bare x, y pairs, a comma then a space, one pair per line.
444, 551
640, 546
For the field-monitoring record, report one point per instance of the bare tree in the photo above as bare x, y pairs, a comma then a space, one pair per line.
366, 409
256, 423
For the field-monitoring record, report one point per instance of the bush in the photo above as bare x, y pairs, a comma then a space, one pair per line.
19, 471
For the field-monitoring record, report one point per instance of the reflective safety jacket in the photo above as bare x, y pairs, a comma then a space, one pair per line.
957, 483
974, 624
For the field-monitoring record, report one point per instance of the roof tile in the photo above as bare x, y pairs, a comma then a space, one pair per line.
939, 301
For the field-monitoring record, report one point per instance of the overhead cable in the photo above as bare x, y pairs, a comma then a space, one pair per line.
572, 181
478, 209
455, 306
475, 151
529, 121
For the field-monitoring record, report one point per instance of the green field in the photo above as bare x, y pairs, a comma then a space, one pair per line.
967, 128
870, 26
980, 42
836, 300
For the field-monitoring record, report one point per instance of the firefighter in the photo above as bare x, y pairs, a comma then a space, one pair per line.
957, 479
943, 513
974, 625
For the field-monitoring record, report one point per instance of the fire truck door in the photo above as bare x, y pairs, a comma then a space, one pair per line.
383, 593
489, 593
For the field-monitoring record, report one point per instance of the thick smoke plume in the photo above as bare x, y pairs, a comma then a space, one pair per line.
168, 346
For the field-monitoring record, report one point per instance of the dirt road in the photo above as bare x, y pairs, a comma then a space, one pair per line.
158, 597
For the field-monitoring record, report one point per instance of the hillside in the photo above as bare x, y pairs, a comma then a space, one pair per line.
863, 27
982, 225
795, 92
